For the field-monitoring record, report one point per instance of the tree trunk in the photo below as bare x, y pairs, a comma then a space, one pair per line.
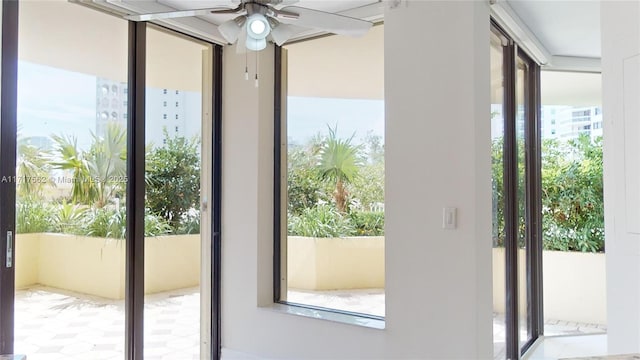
340, 195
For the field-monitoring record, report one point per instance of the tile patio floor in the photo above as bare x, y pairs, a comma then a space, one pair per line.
53, 324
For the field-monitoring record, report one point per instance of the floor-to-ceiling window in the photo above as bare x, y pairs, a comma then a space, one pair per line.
71, 182
497, 164
572, 203
173, 137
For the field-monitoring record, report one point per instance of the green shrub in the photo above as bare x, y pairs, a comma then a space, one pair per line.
173, 179
33, 216
190, 223
155, 225
68, 218
106, 222
112, 223
367, 223
320, 221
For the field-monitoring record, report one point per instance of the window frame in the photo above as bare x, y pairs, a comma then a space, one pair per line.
280, 198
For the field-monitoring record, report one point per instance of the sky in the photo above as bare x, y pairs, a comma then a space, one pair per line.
56, 101
309, 115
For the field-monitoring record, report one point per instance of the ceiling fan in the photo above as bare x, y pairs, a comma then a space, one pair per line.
255, 20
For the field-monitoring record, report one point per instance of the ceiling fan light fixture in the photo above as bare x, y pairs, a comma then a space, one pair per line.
231, 29
255, 44
257, 27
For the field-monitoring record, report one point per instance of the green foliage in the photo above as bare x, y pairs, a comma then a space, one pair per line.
497, 185
173, 179
367, 223
109, 222
190, 223
333, 186
367, 190
155, 225
106, 222
33, 216
320, 221
32, 169
572, 198
106, 161
68, 218
572, 195
304, 187
69, 158
339, 164
98, 174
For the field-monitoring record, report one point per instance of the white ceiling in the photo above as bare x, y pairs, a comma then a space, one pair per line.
206, 26
565, 28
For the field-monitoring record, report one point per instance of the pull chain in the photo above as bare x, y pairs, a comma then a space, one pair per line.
256, 84
246, 65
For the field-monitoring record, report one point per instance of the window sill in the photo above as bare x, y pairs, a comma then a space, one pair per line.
350, 319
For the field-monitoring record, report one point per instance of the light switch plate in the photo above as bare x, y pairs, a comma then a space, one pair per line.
449, 218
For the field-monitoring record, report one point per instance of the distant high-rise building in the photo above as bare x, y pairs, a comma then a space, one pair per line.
557, 121
111, 104
177, 111
581, 120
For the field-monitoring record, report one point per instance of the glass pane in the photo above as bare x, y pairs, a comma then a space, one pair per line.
71, 182
521, 118
572, 204
497, 164
174, 113
335, 173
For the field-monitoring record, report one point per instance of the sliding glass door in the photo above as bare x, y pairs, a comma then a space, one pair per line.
176, 98
99, 210
517, 214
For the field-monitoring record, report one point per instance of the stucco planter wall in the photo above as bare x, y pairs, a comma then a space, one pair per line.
96, 266
335, 263
574, 285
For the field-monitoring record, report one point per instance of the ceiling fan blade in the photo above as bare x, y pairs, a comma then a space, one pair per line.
241, 44
182, 13
334, 23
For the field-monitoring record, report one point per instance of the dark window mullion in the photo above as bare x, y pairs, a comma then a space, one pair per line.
277, 171
511, 203
134, 293
216, 215
8, 135
534, 193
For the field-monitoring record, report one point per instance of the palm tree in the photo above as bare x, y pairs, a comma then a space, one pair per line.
339, 164
32, 169
70, 158
107, 163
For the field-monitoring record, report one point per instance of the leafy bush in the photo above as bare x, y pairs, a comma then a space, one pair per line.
106, 222
367, 223
190, 223
155, 225
173, 179
304, 187
33, 216
67, 218
572, 200
320, 221
572, 195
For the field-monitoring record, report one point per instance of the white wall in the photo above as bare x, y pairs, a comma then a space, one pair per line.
620, 23
438, 154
